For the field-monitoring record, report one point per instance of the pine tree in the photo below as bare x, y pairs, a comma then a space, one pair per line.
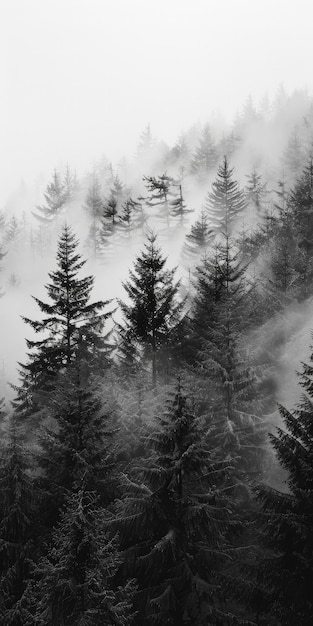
226, 377
146, 144
284, 281
175, 523
153, 318
178, 207
199, 240
18, 527
2, 221
13, 236
301, 207
205, 156
55, 199
282, 204
94, 199
75, 579
79, 444
110, 212
225, 203
180, 153
286, 522
69, 319
294, 156
118, 192
132, 216
71, 185
256, 193
160, 190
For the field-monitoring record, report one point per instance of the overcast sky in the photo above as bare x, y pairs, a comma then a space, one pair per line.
84, 77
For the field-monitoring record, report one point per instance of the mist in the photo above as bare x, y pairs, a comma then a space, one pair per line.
81, 83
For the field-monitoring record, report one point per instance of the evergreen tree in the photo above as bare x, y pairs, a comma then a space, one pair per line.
199, 240
284, 281
175, 523
301, 204
226, 377
2, 221
146, 143
110, 211
256, 193
301, 208
69, 319
13, 236
55, 199
132, 216
153, 318
178, 207
18, 528
118, 192
294, 156
225, 202
160, 189
286, 523
282, 204
79, 443
205, 156
94, 199
71, 185
75, 579
180, 153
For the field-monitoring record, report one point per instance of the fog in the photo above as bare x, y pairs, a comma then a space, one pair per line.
81, 78
81, 81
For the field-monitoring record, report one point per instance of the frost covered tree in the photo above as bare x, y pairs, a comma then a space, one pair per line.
79, 444
175, 522
18, 527
74, 582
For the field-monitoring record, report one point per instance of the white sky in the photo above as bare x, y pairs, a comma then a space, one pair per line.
84, 77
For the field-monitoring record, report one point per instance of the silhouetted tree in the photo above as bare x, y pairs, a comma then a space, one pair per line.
175, 521
153, 318
286, 523
75, 579
19, 536
69, 319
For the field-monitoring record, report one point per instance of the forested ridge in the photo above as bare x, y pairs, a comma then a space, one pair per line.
148, 472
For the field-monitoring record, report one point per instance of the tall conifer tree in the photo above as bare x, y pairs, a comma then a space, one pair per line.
175, 523
153, 318
287, 521
226, 201
69, 320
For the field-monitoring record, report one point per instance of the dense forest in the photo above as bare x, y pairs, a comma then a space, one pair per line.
150, 472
